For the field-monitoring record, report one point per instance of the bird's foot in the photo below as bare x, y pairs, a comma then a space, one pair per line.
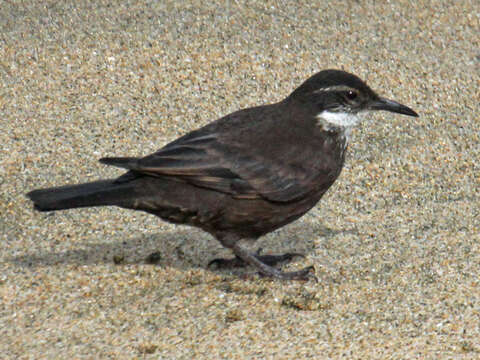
270, 260
264, 264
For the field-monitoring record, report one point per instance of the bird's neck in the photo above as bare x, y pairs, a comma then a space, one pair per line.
340, 123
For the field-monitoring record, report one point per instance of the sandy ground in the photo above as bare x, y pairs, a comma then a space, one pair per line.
395, 242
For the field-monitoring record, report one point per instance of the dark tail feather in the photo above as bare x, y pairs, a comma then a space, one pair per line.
122, 162
98, 193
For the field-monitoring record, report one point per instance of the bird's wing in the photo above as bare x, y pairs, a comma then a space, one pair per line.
204, 160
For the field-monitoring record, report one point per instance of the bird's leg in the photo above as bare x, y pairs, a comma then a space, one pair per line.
261, 262
267, 270
270, 260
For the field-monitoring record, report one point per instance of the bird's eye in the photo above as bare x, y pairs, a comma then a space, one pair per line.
351, 95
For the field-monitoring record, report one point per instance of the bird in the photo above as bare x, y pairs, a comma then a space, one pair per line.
244, 175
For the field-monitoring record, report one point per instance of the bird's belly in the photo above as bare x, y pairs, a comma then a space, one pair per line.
254, 218
217, 212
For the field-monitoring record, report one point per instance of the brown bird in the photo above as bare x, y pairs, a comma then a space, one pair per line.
244, 175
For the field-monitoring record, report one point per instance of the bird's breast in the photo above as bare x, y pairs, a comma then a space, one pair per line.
329, 159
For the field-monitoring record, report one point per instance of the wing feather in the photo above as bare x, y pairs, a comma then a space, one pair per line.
215, 157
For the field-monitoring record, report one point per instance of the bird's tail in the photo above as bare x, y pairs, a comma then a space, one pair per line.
98, 193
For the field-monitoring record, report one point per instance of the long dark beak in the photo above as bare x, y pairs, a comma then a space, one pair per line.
393, 106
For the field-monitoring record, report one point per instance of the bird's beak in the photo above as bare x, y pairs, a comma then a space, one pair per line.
393, 106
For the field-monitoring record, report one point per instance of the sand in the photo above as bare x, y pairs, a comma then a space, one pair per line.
395, 242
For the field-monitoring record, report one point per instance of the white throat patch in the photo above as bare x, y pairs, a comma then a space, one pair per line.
335, 121
330, 120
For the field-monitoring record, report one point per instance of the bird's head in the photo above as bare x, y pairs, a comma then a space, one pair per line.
337, 97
